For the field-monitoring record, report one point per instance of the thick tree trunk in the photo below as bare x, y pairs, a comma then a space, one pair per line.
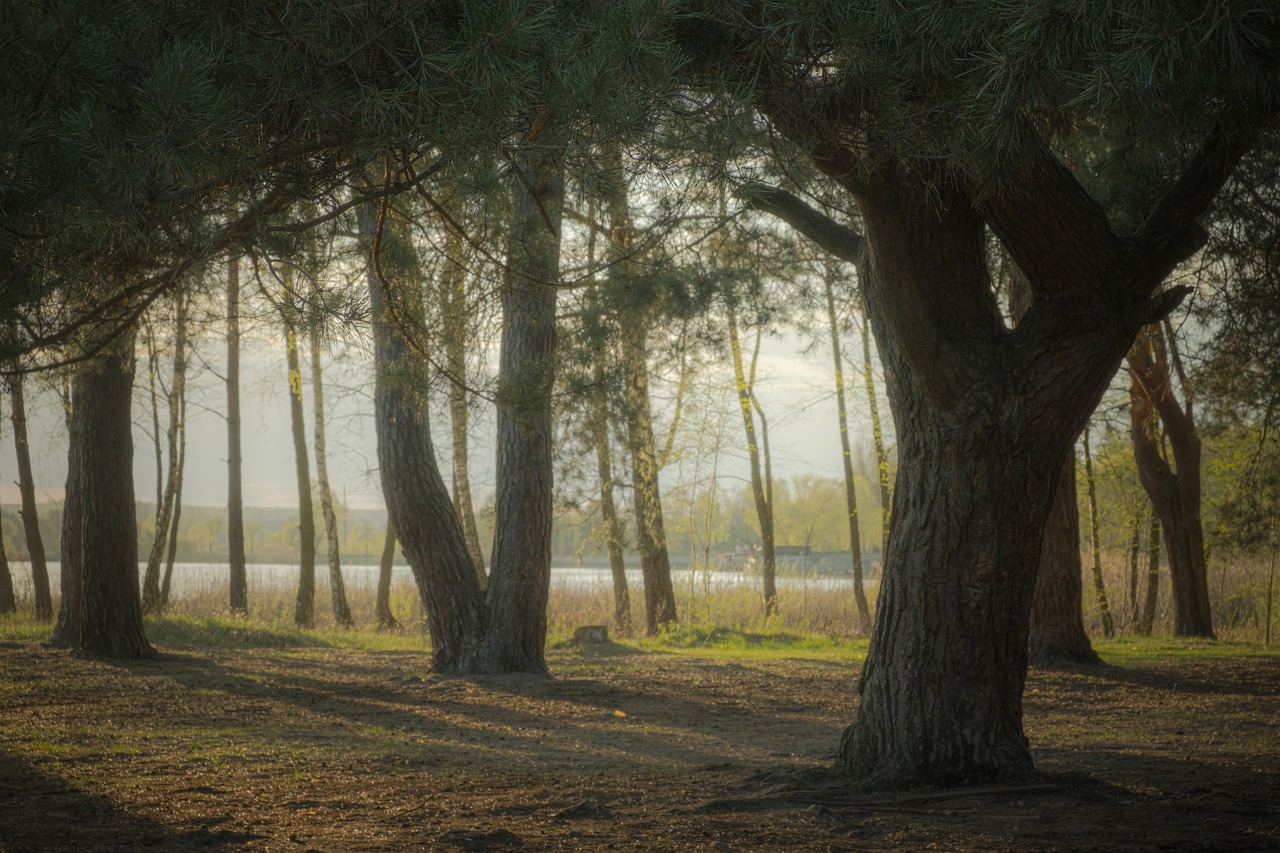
239, 580
851, 495
761, 488
151, 598
454, 310
1057, 624
1095, 543
27, 491
337, 589
102, 609
1174, 494
419, 508
520, 580
382, 607
304, 610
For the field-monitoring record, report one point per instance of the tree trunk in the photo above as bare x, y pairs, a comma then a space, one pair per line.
304, 612
851, 495
382, 608
172, 553
8, 604
151, 598
1147, 625
419, 508
27, 490
337, 589
1095, 540
1174, 494
454, 310
1135, 552
239, 579
608, 510
519, 582
1057, 624
102, 611
760, 487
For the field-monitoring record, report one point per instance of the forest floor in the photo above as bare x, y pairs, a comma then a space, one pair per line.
627, 748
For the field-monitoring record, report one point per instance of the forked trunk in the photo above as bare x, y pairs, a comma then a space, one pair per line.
151, 597
102, 610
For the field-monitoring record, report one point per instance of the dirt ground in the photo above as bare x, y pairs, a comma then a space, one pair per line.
337, 750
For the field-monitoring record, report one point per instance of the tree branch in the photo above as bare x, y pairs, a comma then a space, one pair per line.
839, 240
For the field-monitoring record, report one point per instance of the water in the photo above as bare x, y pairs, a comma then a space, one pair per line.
196, 577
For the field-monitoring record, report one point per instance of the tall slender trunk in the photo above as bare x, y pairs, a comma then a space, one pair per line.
239, 579
419, 508
382, 607
877, 436
455, 327
102, 611
27, 491
174, 523
520, 580
337, 590
851, 495
304, 611
8, 604
1095, 540
1135, 553
1175, 494
151, 598
608, 509
1147, 624
760, 487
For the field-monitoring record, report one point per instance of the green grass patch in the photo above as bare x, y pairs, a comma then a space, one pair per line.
23, 628
765, 643
1156, 650
229, 632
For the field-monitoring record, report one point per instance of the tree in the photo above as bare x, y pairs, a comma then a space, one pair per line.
27, 491
337, 590
238, 581
1095, 541
1175, 494
101, 609
382, 599
151, 597
851, 494
984, 415
304, 611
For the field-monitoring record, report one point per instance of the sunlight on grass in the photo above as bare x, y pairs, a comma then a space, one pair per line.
1149, 650
236, 633
22, 627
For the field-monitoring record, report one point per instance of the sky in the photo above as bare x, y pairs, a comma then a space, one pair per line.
794, 388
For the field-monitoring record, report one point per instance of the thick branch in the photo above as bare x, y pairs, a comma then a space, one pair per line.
839, 240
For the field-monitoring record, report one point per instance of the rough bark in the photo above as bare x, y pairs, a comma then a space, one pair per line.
1095, 543
1175, 494
520, 579
382, 607
851, 495
239, 580
151, 598
337, 589
8, 604
877, 437
304, 609
419, 507
1057, 624
27, 492
102, 608
760, 485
